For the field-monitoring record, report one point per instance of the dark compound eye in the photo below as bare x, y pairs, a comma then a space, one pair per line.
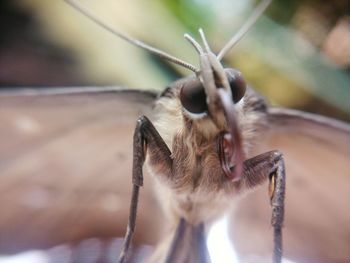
193, 98
237, 84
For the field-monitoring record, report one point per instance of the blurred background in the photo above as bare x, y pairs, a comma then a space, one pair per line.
297, 55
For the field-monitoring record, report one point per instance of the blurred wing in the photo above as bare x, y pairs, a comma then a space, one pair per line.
65, 166
317, 223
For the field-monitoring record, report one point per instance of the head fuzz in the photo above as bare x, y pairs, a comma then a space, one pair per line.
194, 116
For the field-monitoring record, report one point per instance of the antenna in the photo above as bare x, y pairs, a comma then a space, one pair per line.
245, 28
86, 12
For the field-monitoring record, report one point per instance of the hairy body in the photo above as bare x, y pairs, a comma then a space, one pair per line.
195, 188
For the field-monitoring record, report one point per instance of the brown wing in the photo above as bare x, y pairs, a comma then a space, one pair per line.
317, 223
65, 166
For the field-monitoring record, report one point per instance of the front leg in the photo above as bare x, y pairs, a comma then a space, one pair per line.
188, 244
146, 139
255, 171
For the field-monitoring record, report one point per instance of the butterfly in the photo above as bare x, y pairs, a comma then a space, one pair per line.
66, 159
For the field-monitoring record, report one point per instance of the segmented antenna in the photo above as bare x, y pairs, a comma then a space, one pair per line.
86, 12
245, 28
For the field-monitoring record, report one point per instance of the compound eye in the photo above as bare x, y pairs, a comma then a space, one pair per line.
193, 98
237, 84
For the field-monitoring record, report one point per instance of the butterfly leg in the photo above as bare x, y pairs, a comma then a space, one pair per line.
146, 139
179, 235
258, 169
188, 244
